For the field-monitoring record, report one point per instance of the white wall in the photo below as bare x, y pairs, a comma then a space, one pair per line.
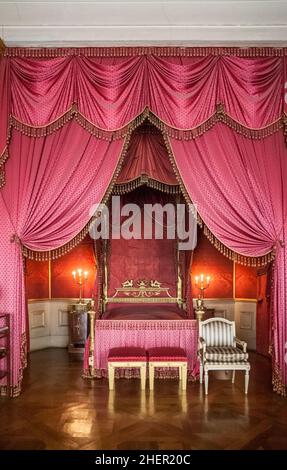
49, 321
81, 22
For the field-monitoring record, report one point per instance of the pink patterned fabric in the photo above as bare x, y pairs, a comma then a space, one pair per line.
144, 334
139, 311
51, 184
126, 354
147, 156
110, 92
239, 187
166, 354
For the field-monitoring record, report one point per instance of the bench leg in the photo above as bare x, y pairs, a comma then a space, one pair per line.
151, 376
111, 376
233, 376
180, 372
143, 376
183, 376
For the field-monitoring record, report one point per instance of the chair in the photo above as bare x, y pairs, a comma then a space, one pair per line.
127, 358
219, 349
167, 357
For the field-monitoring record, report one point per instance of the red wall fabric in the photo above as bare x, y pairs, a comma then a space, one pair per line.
81, 257
206, 259
262, 317
245, 282
209, 261
37, 279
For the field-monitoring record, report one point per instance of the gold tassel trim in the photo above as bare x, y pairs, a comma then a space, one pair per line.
72, 113
277, 382
3, 159
171, 51
220, 116
182, 134
15, 390
254, 261
129, 186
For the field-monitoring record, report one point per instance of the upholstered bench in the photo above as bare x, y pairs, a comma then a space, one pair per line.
127, 358
167, 357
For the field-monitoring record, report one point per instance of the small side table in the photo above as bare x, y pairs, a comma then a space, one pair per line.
78, 321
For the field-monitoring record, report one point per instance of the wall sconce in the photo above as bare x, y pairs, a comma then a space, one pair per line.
202, 282
80, 277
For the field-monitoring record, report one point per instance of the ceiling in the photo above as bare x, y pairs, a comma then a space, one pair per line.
81, 22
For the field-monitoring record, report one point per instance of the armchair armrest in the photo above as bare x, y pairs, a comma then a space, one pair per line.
241, 344
201, 344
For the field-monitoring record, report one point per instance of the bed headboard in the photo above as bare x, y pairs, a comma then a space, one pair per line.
142, 291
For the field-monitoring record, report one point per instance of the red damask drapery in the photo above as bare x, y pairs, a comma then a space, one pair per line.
66, 117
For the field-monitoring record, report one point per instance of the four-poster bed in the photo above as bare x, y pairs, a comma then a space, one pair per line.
143, 285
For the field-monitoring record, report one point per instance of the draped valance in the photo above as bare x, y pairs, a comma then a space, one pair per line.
185, 91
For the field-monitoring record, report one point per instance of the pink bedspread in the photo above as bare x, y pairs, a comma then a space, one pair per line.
144, 312
143, 333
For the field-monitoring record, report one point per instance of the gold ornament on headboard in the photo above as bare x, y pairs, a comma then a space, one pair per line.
142, 290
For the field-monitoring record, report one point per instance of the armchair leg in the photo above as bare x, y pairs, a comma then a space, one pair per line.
233, 376
246, 381
201, 373
206, 381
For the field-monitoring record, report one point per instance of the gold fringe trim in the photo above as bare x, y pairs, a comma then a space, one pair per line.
277, 382
254, 262
15, 390
171, 51
129, 186
72, 113
182, 134
220, 116
3, 159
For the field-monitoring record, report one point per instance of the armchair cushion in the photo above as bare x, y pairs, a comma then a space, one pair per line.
225, 354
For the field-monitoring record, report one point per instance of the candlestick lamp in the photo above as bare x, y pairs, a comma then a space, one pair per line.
80, 277
202, 282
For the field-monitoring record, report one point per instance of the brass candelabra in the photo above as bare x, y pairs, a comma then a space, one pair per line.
202, 282
80, 277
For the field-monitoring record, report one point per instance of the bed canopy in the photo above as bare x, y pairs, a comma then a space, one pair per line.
67, 116
137, 270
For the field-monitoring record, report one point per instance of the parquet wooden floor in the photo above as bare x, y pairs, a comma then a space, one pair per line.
60, 410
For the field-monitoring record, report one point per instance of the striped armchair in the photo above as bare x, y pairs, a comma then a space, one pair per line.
219, 349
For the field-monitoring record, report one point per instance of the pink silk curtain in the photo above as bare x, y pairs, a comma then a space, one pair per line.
182, 91
239, 187
238, 183
146, 155
52, 182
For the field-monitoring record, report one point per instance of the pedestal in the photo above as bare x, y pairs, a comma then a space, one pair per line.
77, 329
